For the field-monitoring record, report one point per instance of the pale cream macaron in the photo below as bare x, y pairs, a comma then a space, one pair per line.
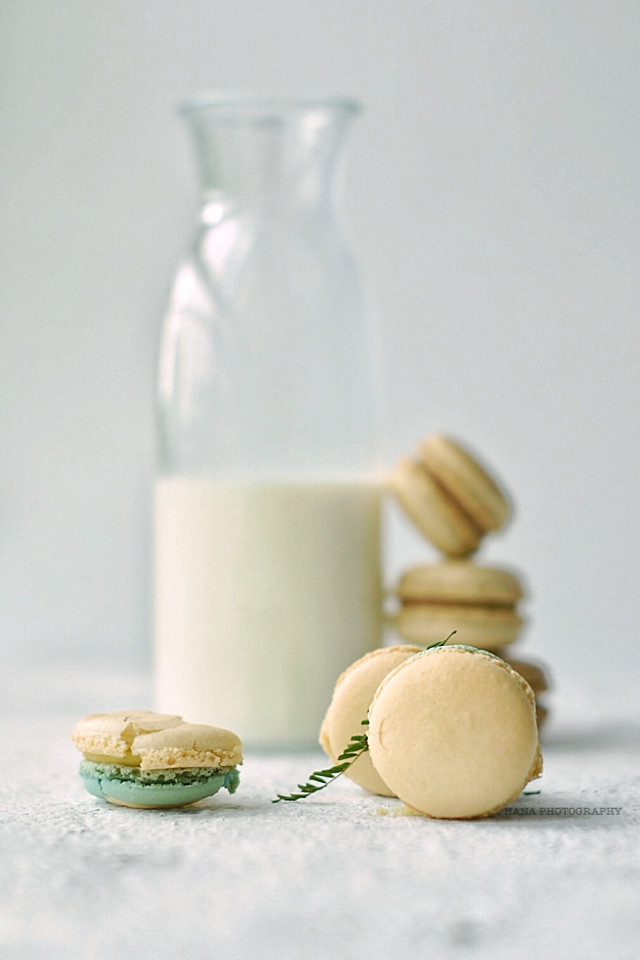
467, 480
349, 706
461, 582
478, 602
434, 512
452, 732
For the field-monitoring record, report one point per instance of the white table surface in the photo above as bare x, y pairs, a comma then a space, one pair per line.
342, 875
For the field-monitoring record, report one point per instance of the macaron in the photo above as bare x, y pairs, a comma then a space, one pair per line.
460, 582
349, 706
467, 480
449, 495
489, 629
452, 732
433, 511
478, 602
142, 759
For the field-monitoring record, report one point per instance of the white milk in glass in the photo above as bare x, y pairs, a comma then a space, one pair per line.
265, 591
267, 519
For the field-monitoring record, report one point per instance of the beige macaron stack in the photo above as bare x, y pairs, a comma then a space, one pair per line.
455, 501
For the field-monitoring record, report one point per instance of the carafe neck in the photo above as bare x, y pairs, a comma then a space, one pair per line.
269, 154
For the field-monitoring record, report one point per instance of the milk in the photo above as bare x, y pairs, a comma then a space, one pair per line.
265, 592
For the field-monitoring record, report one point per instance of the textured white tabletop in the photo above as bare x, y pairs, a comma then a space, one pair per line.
341, 875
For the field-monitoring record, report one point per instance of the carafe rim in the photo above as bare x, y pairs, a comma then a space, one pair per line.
256, 106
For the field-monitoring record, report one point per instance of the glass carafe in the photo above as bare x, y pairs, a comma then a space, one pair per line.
267, 504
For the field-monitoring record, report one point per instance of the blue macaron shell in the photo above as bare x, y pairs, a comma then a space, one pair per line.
158, 789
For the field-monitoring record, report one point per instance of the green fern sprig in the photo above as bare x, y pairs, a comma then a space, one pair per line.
322, 778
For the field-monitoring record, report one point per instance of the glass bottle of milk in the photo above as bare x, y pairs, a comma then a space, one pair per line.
267, 503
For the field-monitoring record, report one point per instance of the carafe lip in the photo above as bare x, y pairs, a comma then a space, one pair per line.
259, 106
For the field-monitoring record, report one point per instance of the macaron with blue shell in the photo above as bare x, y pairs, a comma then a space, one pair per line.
143, 759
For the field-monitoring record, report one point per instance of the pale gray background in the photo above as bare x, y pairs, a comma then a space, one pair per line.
493, 193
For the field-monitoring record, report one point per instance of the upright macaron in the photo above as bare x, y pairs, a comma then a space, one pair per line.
139, 758
349, 706
452, 732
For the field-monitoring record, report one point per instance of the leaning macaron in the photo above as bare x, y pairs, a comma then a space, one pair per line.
469, 482
142, 759
349, 706
437, 515
452, 732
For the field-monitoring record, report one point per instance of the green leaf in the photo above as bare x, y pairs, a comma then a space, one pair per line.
322, 778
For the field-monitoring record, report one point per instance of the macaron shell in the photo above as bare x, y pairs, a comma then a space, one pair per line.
537, 676
110, 735
152, 796
460, 472
155, 741
188, 745
349, 707
438, 517
458, 581
489, 628
453, 733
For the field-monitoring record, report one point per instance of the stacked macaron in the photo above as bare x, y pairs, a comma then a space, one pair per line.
455, 502
479, 602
